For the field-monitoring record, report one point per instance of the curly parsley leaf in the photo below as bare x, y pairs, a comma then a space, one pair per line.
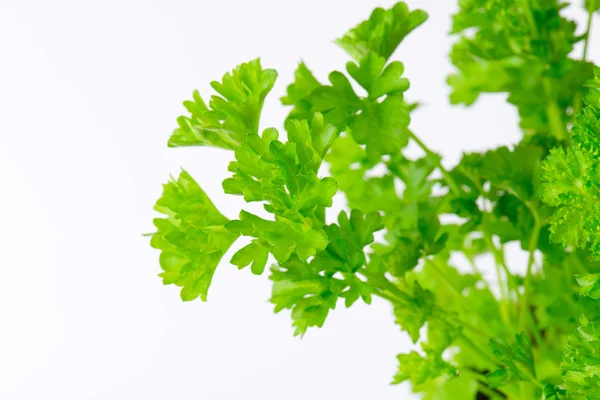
571, 181
231, 115
192, 237
312, 288
382, 32
519, 48
516, 359
284, 176
419, 369
380, 120
590, 285
581, 374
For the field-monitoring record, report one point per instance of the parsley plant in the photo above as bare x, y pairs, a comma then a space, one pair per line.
524, 336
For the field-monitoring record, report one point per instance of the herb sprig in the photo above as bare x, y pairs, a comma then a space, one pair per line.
524, 336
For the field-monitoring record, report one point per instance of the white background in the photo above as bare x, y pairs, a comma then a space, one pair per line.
89, 92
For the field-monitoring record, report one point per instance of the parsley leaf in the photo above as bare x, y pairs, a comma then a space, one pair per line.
231, 115
571, 182
382, 32
192, 237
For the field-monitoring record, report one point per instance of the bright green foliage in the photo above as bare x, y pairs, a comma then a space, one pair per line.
419, 369
191, 238
379, 124
590, 285
517, 361
434, 242
310, 289
285, 177
413, 315
448, 388
581, 363
592, 5
382, 32
231, 115
521, 48
572, 181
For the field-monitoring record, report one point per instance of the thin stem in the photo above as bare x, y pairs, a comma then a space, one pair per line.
489, 361
489, 392
499, 259
553, 113
438, 163
389, 297
483, 386
386, 286
533, 242
530, 18
588, 30
578, 101
482, 335
504, 291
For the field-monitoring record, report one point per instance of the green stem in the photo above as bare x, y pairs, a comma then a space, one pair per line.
483, 386
533, 243
553, 113
587, 35
489, 361
578, 101
504, 290
489, 392
438, 163
481, 334
473, 374
530, 19
499, 259
384, 294
387, 287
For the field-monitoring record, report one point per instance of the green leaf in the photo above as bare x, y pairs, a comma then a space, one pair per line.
592, 5
521, 49
449, 388
517, 361
412, 316
571, 181
552, 392
232, 114
590, 285
284, 175
418, 369
580, 365
251, 254
298, 93
282, 237
299, 287
191, 238
337, 102
382, 32
311, 288
515, 171
382, 127
440, 335
377, 81
348, 238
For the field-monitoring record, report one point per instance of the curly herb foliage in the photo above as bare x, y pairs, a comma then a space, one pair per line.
520, 336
